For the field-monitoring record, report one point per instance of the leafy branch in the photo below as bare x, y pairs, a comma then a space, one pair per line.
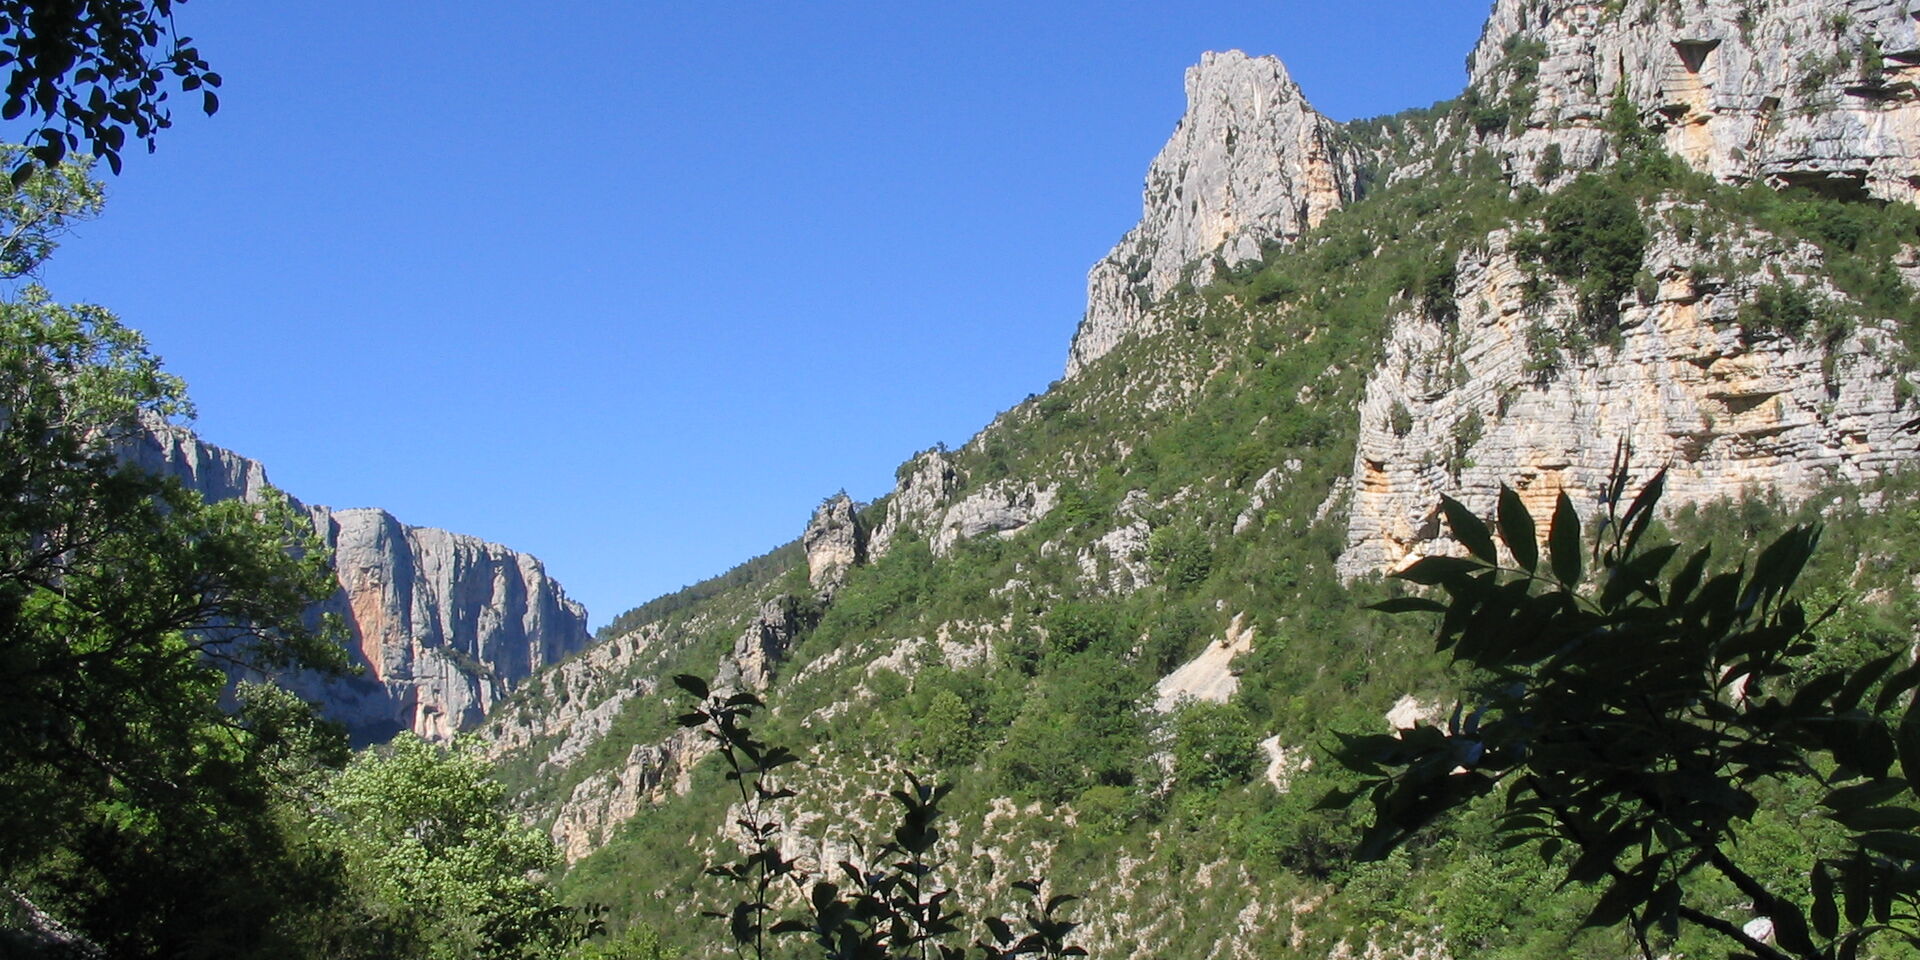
1629, 714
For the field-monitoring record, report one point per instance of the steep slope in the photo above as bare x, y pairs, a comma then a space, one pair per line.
1125, 619
443, 625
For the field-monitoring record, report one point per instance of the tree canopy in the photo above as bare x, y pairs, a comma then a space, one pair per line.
89, 72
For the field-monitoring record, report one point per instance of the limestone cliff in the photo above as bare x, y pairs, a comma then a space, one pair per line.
1784, 91
1251, 163
1462, 407
442, 625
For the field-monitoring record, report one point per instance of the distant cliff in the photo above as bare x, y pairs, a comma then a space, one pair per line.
443, 625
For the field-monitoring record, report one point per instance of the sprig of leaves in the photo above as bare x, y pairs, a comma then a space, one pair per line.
1628, 715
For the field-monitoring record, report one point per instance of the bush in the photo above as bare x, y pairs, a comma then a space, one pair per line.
1595, 240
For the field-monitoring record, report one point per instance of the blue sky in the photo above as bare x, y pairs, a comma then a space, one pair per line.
632, 286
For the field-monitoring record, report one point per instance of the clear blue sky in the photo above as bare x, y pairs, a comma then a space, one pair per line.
632, 286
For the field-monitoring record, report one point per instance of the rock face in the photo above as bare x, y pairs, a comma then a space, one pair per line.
834, 543
1251, 163
920, 493
442, 625
1002, 509
763, 645
1786, 91
606, 800
1461, 408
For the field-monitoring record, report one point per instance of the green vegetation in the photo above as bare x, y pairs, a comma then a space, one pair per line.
1014, 670
149, 804
1199, 478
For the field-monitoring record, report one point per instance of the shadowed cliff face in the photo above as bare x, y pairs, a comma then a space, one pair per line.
443, 625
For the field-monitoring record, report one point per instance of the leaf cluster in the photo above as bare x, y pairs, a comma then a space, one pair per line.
1631, 717
91, 71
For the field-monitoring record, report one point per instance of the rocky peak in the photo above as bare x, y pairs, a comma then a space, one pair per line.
1250, 163
921, 491
834, 543
1784, 91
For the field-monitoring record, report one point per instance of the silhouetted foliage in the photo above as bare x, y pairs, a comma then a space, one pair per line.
1630, 719
891, 906
91, 71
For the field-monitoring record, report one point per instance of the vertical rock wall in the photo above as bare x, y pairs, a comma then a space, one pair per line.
442, 625
1460, 408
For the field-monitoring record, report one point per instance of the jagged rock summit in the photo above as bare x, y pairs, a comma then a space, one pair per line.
443, 625
1250, 163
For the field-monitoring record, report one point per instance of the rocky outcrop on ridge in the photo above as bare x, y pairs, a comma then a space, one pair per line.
921, 491
1251, 163
834, 543
1462, 408
605, 800
1785, 91
442, 625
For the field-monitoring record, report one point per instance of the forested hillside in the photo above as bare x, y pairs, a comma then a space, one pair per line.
1127, 622
1286, 623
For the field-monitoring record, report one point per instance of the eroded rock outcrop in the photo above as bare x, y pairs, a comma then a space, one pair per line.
834, 543
920, 494
605, 800
1785, 91
1002, 509
1251, 163
1499, 397
443, 625
763, 645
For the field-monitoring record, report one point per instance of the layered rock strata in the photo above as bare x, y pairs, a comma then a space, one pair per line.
1784, 91
443, 625
1460, 408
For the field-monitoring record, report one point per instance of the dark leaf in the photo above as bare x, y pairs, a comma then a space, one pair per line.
1432, 570
1826, 913
1869, 794
1862, 679
1516, 529
692, 684
1904, 846
1622, 897
1563, 542
1468, 529
1901, 682
1409, 605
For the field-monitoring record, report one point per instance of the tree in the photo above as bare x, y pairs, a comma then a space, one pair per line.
1633, 720
88, 71
1214, 745
36, 210
438, 867
131, 800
